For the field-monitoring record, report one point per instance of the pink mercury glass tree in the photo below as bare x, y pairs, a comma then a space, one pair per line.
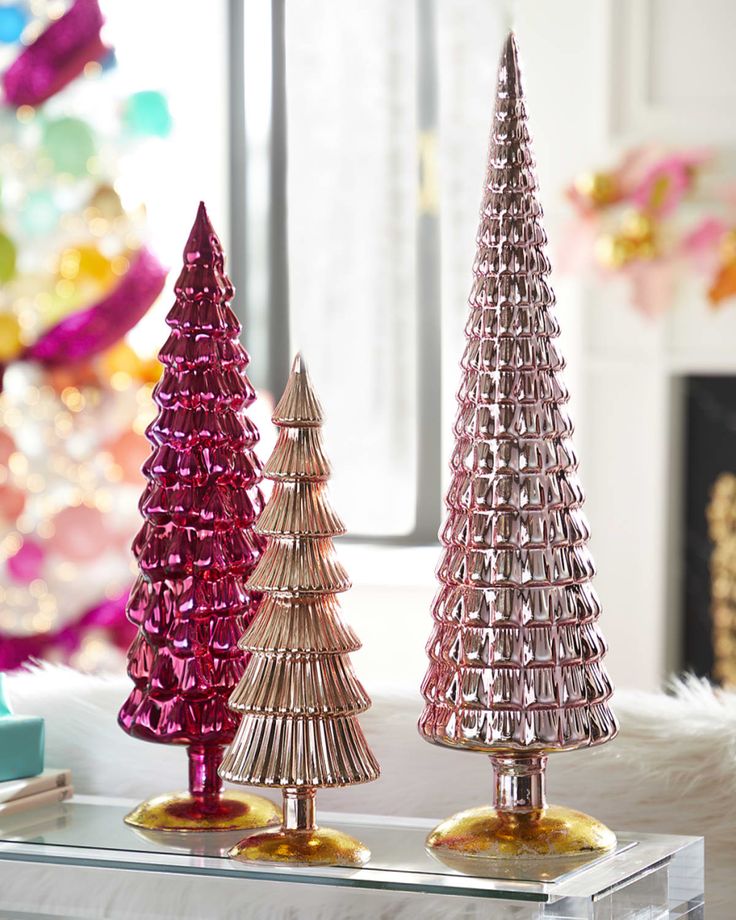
516, 656
196, 549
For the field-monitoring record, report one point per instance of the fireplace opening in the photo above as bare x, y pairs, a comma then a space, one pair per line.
709, 640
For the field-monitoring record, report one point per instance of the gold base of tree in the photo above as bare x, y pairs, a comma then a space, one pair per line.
180, 811
520, 824
300, 840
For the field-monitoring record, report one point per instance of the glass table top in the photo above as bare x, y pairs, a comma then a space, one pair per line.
90, 831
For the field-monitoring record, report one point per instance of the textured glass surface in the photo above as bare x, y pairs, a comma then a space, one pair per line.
516, 655
300, 698
196, 546
91, 832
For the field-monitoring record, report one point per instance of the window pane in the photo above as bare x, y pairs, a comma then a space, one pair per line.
351, 82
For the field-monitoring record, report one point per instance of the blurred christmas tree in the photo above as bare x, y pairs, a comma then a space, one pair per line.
75, 277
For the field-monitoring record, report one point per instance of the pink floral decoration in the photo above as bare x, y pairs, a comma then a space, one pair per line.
666, 183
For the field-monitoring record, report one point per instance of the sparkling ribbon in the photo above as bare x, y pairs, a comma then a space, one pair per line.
108, 616
101, 325
57, 57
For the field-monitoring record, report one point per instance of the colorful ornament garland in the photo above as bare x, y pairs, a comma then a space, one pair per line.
75, 276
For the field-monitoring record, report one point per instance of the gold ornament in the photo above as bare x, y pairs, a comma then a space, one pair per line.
122, 365
299, 696
636, 241
11, 342
85, 264
105, 203
599, 189
721, 514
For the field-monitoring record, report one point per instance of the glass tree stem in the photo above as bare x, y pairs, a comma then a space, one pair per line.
519, 783
299, 810
205, 784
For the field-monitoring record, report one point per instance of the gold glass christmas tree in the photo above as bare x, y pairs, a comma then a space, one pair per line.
516, 655
299, 697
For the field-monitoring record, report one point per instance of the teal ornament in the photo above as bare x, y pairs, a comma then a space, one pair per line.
39, 215
7, 258
21, 742
147, 114
69, 142
13, 19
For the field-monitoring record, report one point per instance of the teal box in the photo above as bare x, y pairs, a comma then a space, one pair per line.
21, 742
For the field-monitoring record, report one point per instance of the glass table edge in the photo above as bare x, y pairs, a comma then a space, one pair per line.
377, 878
369, 879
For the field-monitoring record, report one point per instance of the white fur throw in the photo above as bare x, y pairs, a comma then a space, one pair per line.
672, 768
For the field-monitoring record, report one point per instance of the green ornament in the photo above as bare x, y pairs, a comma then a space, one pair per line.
39, 214
7, 258
147, 114
70, 143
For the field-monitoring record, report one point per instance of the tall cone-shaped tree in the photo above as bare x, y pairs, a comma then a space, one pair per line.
196, 548
299, 697
516, 654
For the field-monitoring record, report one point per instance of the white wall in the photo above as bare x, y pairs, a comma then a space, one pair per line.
672, 79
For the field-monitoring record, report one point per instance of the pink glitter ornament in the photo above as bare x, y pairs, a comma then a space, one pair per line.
196, 548
80, 533
27, 563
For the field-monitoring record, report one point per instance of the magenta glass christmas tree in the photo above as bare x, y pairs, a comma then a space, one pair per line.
196, 549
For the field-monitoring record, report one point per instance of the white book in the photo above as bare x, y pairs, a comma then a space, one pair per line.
39, 800
13, 789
